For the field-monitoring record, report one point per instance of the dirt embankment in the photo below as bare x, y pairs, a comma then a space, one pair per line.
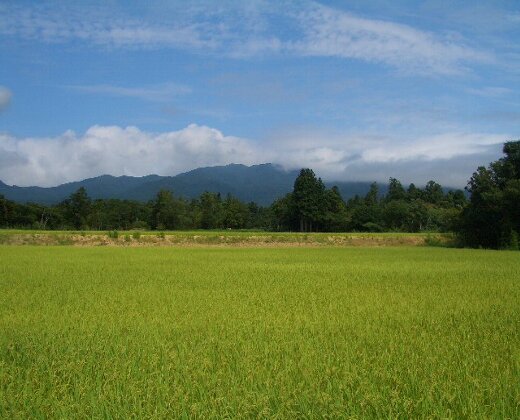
227, 239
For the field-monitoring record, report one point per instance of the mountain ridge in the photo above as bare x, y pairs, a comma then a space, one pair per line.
261, 183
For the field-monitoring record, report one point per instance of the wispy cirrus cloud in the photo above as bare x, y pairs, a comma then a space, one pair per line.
51, 23
328, 32
156, 93
245, 31
490, 91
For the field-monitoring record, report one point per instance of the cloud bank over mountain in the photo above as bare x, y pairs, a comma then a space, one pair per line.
130, 151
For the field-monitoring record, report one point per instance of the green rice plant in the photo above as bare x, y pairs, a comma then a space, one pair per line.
170, 332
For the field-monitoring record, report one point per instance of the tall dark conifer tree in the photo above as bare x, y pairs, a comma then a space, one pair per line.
309, 200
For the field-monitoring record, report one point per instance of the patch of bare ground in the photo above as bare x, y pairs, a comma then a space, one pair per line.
228, 240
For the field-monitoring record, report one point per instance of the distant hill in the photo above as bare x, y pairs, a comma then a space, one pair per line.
260, 183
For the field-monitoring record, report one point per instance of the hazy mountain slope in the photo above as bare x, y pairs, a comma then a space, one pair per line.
105, 186
260, 183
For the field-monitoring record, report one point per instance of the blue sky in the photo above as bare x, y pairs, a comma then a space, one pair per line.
357, 90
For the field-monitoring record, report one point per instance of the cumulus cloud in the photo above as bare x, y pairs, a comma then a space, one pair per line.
5, 97
305, 28
130, 151
117, 151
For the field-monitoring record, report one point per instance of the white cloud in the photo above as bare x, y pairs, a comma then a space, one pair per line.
5, 97
305, 28
443, 146
130, 151
117, 151
57, 24
454, 172
157, 93
367, 158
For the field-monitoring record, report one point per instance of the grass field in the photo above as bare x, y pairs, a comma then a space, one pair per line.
115, 332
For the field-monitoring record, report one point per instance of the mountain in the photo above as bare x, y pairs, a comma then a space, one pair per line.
260, 183
105, 186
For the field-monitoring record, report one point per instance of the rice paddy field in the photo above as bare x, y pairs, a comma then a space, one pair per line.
338, 332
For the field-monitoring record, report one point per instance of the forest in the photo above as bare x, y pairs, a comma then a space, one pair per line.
309, 208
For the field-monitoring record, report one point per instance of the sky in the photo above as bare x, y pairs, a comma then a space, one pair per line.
356, 90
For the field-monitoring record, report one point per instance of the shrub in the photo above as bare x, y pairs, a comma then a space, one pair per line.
113, 234
373, 227
432, 241
140, 224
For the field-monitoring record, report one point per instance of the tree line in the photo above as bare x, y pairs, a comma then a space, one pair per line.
165, 212
490, 218
310, 207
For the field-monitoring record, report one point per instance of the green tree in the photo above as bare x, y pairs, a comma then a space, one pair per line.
235, 213
417, 218
413, 193
167, 211
258, 217
396, 214
371, 216
456, 199
308, 199
395, 190
336, 217
211, 210
433, 193
77, 208
5, 207
365, 213
283, 214
492, 218
372, 197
